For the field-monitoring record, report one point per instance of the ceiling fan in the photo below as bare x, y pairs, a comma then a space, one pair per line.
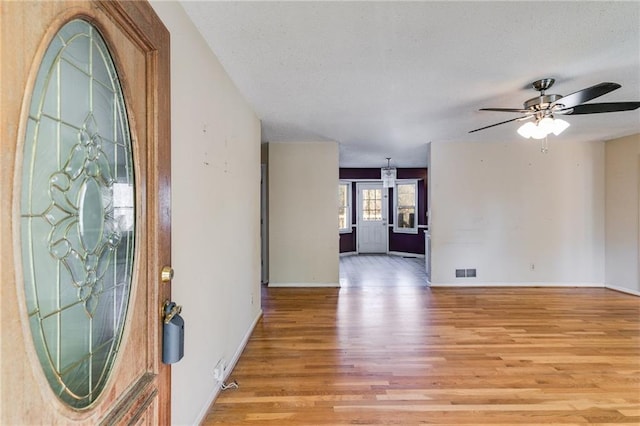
542, 108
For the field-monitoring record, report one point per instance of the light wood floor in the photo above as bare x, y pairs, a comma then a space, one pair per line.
380, 270
415, 355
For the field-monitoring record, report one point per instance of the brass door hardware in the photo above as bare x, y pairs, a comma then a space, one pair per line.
170, 310
166, 274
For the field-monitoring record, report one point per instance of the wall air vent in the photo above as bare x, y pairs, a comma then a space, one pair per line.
465, 273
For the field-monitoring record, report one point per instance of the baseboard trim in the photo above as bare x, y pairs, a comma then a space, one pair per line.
404, 254
230, 367
391, 253
622, 289
531, 284
304, 284
348, 253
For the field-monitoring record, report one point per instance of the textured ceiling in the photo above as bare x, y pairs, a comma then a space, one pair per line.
385, 78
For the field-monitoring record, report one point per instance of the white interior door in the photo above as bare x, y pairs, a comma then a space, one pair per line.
372, 218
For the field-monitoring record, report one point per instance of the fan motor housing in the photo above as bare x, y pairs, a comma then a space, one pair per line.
541, 102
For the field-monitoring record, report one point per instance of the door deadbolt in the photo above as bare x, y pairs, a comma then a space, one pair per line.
167, 274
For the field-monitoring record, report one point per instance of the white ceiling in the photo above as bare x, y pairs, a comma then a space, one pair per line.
385, 78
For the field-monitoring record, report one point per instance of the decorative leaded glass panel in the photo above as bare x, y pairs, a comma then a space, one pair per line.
77, 213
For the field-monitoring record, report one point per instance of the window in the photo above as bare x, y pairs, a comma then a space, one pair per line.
344, 207
406, 205
371, 204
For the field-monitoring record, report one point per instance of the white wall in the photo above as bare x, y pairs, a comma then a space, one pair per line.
215, 214
622, 216
303, 214
517, 215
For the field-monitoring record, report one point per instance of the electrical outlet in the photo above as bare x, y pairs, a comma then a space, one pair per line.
218, 370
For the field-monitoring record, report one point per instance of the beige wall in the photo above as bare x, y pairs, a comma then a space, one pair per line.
303, 219
622, 215
215, 207
517, 215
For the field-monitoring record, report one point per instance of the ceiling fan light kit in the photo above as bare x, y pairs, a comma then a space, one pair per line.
543, 127
543, 107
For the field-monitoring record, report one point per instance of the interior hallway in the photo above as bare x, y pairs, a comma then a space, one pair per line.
410, 354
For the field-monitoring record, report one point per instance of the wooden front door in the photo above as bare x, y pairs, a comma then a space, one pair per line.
85, 212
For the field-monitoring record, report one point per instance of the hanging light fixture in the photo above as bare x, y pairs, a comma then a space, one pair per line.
543, 127
388, 175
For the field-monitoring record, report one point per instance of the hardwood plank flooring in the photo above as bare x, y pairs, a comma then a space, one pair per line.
416, 355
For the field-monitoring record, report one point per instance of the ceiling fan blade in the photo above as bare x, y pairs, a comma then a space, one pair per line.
521, 111
497, 124
603, 107
585, 95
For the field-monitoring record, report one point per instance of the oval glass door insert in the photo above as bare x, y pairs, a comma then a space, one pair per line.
77, 213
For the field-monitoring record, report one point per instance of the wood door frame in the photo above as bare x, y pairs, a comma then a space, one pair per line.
142, 27
385, 212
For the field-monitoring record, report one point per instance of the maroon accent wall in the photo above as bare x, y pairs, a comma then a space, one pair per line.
348, 242
405, 243
353, 173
